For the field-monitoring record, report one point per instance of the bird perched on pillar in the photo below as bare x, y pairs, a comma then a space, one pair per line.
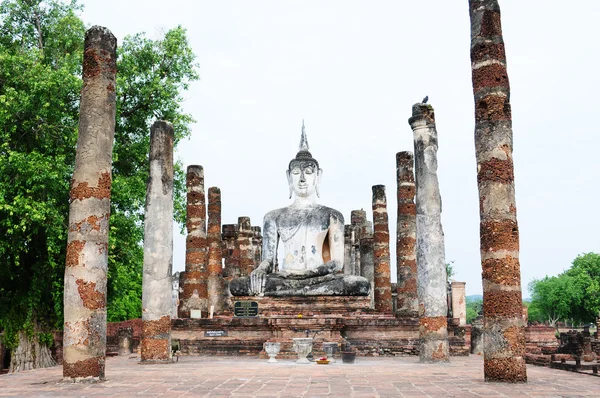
425, 99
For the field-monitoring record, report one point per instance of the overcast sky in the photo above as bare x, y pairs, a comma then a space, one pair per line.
352, 70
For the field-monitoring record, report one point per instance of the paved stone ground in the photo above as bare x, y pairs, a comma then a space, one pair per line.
249, 377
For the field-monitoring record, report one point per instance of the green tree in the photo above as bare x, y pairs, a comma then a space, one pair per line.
585, 279
474, 309
41, 45
552, 298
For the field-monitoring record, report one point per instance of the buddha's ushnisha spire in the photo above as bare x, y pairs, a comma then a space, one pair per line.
303, 141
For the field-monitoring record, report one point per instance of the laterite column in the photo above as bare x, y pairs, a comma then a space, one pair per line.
381, 251
504, 329
195, 286
89, 212
431, 264
157, 282
244, 245
215, 253
406, 237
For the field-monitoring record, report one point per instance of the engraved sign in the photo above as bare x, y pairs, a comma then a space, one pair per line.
215, 333
245, 308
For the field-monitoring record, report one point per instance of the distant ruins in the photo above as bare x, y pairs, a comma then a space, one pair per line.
332, 288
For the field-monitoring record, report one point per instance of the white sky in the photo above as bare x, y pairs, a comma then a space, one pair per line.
352, 70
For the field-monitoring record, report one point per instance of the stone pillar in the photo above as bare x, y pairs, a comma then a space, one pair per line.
89, 212
358, 218
257, 244
349, 256
504, 329
459, 302
431, 264
195, 285
406, 238
157, 281
216, 287
230, 256
381, 251
367, 267
244, 245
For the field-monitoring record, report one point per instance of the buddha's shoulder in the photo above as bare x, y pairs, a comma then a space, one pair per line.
331, 213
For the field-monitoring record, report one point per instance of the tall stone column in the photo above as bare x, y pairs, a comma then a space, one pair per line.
406, 237
157, 282
349, 255
195, 286
459, 302
244, 245
431, 264
504, 329
230, 255
367, 266
215, 254
381, 251
257, 244
89, 211
358, 218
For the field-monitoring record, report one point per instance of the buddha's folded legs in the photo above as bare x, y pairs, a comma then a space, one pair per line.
328, 285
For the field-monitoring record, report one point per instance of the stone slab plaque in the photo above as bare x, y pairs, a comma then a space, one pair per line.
215, 333
195, 314
245, 308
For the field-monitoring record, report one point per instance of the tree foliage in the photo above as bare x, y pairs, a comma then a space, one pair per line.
573, 294
41, 44
474, 309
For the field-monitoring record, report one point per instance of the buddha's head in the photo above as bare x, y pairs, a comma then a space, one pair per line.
304, 174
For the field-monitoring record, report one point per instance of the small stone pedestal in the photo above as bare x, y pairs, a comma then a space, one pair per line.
303, 346
330, 348
272, 349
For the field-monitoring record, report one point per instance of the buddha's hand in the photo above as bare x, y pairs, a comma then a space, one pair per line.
258, 277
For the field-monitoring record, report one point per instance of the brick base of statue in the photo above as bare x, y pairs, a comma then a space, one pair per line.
325, 319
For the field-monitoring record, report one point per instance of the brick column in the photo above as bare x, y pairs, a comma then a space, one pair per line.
230, 255
157, 282
89, 212
406, 237
367, 267
244, 246
195, 289
381, 251
216, 286
431, 264
257, 244
504, 329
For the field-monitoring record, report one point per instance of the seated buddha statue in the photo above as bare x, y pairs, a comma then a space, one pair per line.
313, 239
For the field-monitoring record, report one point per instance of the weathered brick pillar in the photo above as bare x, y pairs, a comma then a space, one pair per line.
244, 245
230, 254
367, 266
459, 302
406, 238
216, 286
381, 251
504, 333
349, 251
431, 264
358, 218
195, 285
157, 282
257, 244
89, 212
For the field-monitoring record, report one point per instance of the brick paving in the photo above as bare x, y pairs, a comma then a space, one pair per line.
249, 377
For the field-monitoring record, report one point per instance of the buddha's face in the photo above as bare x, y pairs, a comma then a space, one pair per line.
303, 178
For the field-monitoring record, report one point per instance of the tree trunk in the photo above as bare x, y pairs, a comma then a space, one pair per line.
30, 354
